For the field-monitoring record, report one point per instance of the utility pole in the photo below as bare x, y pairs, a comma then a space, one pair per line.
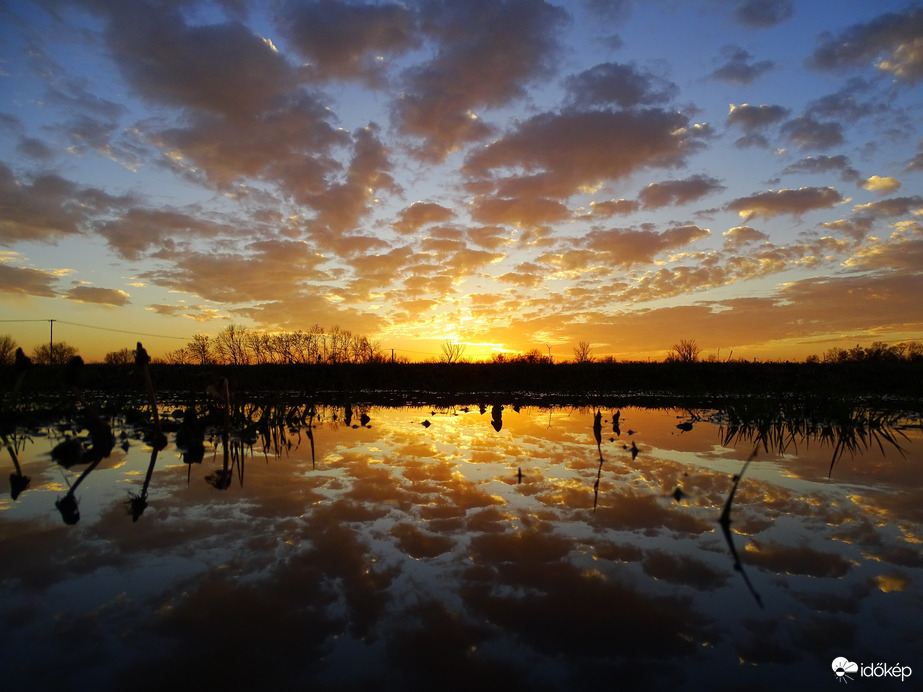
51, 343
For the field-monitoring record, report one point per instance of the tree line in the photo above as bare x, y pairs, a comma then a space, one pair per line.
875, 353
240, 345
235, 345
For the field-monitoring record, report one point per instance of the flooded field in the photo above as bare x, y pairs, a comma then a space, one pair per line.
410, 548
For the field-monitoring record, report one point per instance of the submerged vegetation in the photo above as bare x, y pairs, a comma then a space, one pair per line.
785, 424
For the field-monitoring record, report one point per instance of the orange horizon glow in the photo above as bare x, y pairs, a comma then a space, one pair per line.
94, 343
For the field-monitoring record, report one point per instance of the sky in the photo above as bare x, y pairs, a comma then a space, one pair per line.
507, 175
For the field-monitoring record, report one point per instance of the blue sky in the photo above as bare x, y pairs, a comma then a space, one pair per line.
508, 175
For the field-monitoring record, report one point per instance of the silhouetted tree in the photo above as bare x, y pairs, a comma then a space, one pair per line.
7, 349
200, 349
57, 354
533, 356
362, 350
875, 353
337, 343
452, 352
686, 351
179, 357
258, 345
121, 357
914, 350
582, 353
232, 345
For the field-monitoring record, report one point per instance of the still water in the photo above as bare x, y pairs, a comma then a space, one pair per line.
514, 548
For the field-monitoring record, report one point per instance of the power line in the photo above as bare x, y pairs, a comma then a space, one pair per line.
124, 331
106, 329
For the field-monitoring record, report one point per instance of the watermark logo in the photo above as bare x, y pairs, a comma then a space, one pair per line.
846, 670
842, 667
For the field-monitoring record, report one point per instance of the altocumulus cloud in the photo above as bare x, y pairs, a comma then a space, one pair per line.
94, 294
793, 202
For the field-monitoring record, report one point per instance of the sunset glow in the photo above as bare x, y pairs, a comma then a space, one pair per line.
508, 175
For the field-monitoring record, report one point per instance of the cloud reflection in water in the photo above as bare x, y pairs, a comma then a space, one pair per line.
406, 556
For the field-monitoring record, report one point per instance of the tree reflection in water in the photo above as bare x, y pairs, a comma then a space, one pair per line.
536, 551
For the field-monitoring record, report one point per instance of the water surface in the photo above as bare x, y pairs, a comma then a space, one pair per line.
522, 548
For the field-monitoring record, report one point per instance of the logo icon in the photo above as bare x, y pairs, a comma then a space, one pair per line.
842, 666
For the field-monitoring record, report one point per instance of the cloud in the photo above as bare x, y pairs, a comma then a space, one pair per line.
340, 206
37, 211
892, 42
35, 149
799, 560
798, 310
199, 313
844, 105
755, 117
574, 149
759, 14
766, 205
620, 85
896, 206
739, 68
883, 185
48, 207
488, 237
25, 281
91, 122
343, 41
824, 164
527, 275
876, 301
740, 236
512, 41
464, 261
222, 69
519, 212
138, 230
737, 262
625, 247
232, 86
261, 271
612, 207
916, 163
291, 146
419, 214
589, 310
806, 133
611, 9
102, 296
754, 121
678, 192
377, 270
668, 282
901, 253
